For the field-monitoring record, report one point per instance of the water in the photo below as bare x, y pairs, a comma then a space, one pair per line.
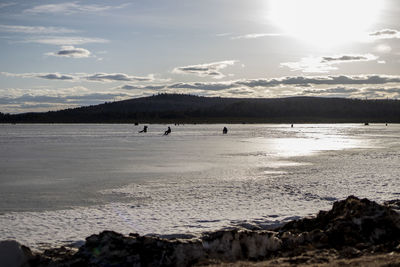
61, 183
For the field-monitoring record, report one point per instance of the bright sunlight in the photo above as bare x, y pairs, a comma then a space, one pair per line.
325, 23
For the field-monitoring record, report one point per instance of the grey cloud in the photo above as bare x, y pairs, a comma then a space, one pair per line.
385, 90
71, 52
296, 81
55, 76
27, 98
203, 86
330, 80
141, 87
344, 58
386, 34
204, 70
97, 77
337, 90
105, 77
47, 76
326, 63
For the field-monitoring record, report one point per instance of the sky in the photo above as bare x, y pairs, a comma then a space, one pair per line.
64, 54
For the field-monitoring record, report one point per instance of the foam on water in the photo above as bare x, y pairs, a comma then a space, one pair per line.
82, 179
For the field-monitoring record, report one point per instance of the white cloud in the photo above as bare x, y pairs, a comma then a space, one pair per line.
66, 40
70, 8
3, 5
325, 64
224, 34
255, 35
206, 70
71, 52
383, 48
34, 29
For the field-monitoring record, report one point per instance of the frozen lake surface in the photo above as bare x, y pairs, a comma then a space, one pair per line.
61, 183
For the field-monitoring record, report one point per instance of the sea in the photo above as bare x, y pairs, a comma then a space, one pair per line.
60, 183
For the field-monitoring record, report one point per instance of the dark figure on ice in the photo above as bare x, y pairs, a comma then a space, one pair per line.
225, 130
168, 131
144, 129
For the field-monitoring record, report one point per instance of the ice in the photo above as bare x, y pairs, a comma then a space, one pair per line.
62, 183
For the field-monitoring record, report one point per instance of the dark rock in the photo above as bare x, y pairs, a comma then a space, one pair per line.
353, 227
13, 254
350, 222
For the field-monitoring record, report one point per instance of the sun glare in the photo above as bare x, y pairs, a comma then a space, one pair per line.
325, 22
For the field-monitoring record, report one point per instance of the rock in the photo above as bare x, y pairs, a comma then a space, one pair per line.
394, 204
351, 228
13, 254
350, 222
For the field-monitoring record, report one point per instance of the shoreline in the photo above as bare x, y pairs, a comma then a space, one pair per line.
352, 229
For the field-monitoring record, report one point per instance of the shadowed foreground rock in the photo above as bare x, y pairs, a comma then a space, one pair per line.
353, 228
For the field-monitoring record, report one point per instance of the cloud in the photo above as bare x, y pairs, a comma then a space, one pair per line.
362, 92
383, 48
142, 87
97, 77
278, 83
66, 40
43, 99
48, 98
341, 59
69, 8
298, 81
72, 52
46, 76
211, 86
224, 34
336, 90
206, 70
3, 5
325, 64
321, 80
345, 86
255, 35
113, 77
385, 34
34, 29
56, 76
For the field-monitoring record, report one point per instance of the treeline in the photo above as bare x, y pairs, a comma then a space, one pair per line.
167, 108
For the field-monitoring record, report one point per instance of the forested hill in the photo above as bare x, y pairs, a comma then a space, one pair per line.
174, 108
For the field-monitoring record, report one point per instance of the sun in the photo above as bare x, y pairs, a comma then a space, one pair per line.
325, 22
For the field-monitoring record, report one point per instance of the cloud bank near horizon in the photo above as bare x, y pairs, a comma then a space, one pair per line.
357, 86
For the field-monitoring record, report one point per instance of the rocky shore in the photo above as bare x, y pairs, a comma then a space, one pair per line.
354, 232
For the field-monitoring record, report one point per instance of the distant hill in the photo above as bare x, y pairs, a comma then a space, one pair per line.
176, 108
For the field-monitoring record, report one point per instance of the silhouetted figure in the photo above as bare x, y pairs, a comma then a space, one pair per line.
291, 126
366, 123
225, 130
144, 129
168, 131
386, 124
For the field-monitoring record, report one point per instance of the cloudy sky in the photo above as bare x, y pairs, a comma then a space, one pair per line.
58, 54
